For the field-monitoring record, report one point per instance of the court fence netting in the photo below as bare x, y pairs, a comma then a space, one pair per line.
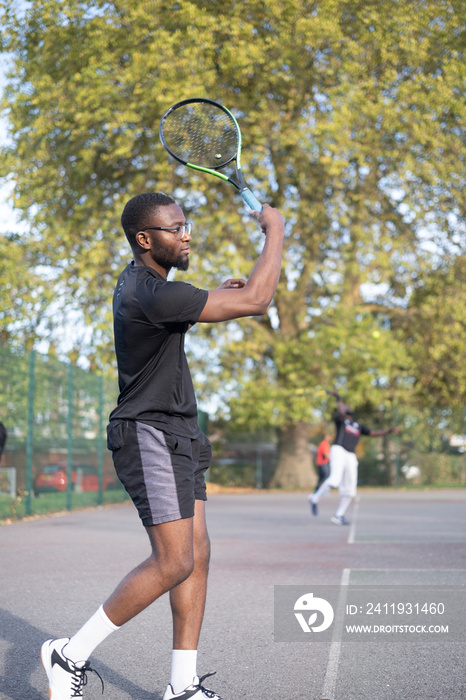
56, 457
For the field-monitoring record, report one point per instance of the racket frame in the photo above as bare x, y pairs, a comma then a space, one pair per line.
241, 186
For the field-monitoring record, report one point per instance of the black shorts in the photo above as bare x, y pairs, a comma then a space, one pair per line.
162, 472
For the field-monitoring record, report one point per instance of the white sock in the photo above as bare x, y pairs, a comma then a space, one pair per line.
344, 503
83, 643
184, 664
321, 491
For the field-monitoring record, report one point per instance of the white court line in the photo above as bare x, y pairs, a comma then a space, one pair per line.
406, 540
328, 691
352, 532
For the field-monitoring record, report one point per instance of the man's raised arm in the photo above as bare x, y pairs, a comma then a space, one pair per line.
252, 298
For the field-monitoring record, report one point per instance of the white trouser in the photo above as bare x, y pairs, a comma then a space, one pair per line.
343, 471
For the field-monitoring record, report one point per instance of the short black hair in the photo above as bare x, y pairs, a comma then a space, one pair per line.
136, 211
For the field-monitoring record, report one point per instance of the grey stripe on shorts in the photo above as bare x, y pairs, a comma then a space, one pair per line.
158, 474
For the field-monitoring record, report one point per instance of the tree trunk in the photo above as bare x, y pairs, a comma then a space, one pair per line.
295, 468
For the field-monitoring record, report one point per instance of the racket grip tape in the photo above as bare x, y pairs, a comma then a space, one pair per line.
251, 200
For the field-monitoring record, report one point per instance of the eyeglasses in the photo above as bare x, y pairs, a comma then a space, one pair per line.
179, 231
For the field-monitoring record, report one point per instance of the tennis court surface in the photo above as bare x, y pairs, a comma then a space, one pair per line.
56, 571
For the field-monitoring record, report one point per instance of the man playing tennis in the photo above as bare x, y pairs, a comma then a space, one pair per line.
159, 452
343, 459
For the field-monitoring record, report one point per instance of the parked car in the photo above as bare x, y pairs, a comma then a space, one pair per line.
84, 477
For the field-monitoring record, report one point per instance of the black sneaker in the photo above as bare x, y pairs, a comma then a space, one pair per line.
196, 691
314, 509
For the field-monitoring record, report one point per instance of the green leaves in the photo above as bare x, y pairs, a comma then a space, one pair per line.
435, 332
352, 117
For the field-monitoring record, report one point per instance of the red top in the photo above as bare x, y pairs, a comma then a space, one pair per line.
323, 452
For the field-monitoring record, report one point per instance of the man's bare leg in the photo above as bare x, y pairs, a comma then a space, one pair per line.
171, 562
187, 599
188, 602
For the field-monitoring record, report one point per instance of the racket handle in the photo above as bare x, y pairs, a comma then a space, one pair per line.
251, 200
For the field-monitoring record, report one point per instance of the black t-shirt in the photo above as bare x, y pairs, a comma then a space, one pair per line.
348, 433
150, 319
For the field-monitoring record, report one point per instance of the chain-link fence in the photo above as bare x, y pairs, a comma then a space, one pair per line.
55, 456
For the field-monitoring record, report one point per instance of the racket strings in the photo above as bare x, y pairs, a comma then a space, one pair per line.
201, 134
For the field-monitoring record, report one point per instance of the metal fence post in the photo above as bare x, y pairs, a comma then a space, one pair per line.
30, 430
464, 449
69, 452
259, 468
203, 421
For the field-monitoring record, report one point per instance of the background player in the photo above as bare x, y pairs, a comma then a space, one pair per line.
343, 460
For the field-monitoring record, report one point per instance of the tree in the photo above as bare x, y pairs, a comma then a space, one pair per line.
22, 288
352, 116
434, 330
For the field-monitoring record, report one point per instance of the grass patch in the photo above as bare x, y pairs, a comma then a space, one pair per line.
48, 503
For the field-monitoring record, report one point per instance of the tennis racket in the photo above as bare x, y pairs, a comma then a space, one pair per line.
205, 136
